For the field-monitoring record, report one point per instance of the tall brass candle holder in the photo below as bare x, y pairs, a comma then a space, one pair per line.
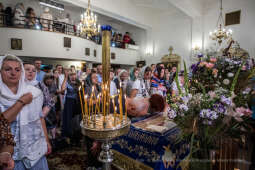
97, 120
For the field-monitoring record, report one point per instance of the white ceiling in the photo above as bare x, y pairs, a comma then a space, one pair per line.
161, 5
192, 8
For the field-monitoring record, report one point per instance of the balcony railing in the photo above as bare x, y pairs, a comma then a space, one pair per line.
37, 23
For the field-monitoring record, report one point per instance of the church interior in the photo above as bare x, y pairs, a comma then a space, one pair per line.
127, 84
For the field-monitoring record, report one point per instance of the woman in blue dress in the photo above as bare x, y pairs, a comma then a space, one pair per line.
71, 107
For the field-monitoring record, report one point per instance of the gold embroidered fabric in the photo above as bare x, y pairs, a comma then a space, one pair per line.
6, 138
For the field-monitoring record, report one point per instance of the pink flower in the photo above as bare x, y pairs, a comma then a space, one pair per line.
212, 94
213, 60
244, 68
209, 65
243, 111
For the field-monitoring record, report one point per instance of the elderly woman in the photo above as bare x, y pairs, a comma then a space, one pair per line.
141, 87
29, 130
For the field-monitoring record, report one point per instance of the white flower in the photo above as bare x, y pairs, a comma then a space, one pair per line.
184, 107
230, 74
226, 81
171, 114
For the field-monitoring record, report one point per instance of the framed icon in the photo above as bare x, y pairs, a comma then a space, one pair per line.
16, 44
140, 63
113, 56
87, 51
67, 42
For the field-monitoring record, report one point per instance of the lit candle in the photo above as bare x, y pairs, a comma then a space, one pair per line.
86, 105
81, 103
125, 107
96, 109
90, 102
98, 103
84, 96
120, 103
99, 108
114, 115
113, 104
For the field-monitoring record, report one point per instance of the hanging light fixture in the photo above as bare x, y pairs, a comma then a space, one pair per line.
88, 25
220, 33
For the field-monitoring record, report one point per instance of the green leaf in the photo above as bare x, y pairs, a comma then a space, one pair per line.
186, 79
177, 81
235, 79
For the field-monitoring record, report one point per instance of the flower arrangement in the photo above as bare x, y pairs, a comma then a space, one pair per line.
214, 105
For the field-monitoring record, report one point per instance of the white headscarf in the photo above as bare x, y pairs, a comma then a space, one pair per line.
123, 83
121, 72
33, 82
29, 136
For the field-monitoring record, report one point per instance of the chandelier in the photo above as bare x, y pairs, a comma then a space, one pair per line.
220, 33
88, 25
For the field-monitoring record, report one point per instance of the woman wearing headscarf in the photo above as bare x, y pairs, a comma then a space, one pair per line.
134, 74
141, 87
30, 78
92, 83
158, 84
71, 107
51, 119
19, 13
122, 81
28, 128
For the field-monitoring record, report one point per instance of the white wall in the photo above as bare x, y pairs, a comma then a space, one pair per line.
244, 32
124, 10
170, 29
49, 44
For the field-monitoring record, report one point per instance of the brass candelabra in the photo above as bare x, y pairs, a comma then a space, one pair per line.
98, 122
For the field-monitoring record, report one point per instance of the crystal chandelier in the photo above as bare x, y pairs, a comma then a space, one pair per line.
220, 33
88, 25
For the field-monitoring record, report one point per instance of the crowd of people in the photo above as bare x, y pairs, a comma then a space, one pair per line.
27, 18
35, 104
118, 41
